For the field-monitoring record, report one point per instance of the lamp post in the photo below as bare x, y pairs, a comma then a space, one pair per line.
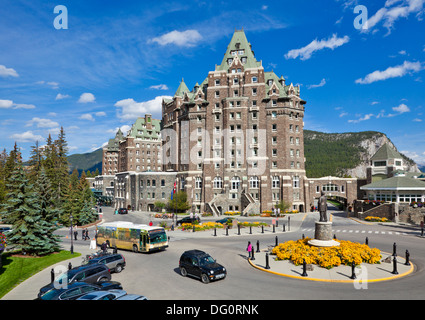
72, 235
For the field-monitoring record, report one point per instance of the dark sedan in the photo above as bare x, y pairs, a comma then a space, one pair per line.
77, 289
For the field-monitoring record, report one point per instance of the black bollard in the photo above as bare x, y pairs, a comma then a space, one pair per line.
52, 275
227, 230
283, 228
215, 232
407, 258
304, 269
258, 245
239, 229
395, 265
422, 232
277, 223
250, 229
289, 223
267, 261
274, 228
367, 241
353, 272
334, 236
394, 249
303, 236
276, 242
252, 253
69, 266
262, 229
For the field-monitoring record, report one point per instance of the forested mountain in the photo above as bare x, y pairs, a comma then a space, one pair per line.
342, 154
86, 161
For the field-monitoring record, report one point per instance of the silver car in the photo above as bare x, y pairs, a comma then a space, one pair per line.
104, 295
115, 262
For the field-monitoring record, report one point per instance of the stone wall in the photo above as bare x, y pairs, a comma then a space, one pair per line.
409, 214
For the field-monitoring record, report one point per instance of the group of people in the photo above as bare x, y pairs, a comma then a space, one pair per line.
84, 233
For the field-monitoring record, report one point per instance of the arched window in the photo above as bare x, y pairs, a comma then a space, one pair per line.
275, 182
198, 183
235, 183
254, 182
218, 183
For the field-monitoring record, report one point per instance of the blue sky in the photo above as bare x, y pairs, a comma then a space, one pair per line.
117, 59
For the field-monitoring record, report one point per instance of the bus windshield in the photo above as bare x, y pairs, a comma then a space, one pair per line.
157, 236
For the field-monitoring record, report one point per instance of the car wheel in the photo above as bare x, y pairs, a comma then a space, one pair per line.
204, 278
118, 268
103, 279
183, 271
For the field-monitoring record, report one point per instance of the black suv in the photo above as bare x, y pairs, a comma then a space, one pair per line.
187, 220
199, 264
122, 211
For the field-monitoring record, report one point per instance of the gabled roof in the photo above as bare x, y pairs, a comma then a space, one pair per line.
386, 152
237, 44
113, 144
396, 183
139, 130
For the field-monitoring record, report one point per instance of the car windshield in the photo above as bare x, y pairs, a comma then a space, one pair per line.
157, 236
204, 260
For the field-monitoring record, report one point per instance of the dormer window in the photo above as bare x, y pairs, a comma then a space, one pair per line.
229, 61
270, 82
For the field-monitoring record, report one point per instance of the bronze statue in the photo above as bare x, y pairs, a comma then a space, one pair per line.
323, 206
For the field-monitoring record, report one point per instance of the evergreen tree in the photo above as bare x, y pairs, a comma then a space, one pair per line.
71, 204
35, 162
22, 209
3, 158
61, 165
49, 212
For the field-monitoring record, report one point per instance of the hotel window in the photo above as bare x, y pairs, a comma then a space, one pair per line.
254, 91
274, 164
238, 115
275, 182
235, 183
198, 183
235, 93
235, 80
298, 153
297, 141
238, 104
274, 103
254, 182
218, 183
274, 152
217, 94
274, 127
231, 104
254, 115
296, 182
274, 114
217, 117
254, 103
291, 140
217, 82
232, 115
291, 152
254, 79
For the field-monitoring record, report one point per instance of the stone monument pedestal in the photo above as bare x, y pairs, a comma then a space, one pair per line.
323, 235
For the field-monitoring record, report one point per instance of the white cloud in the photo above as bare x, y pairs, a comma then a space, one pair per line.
364, 118
42, 123
6, 104
86, 97
124, 129
60, 96
7, 72
131, 109
186, 38
86, 116
391, 72
402, 108
389, 14
417, 120
27, 136
100, 114
343, 114
159, 87
321, 84
305, 52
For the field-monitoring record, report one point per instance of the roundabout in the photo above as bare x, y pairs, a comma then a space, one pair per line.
364, 272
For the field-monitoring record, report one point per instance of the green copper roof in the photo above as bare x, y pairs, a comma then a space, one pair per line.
386, 152
240, 45
114, 144
394, 183
139, 130
182, 89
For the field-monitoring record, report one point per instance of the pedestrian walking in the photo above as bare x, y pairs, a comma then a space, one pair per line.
83, 234
75, 233
87, 234
249, 249
103, 247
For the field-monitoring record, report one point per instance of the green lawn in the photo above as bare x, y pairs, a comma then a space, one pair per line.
17, 269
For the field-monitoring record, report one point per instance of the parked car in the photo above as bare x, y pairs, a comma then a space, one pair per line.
5, 230
187, 220
224, 220
122, 211
201, 265
103, 295
87, 273
114, 262
132, 297
77, 289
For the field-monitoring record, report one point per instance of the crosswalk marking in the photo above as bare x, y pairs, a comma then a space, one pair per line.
359, 231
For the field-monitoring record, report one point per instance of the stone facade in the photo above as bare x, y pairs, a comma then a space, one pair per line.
241, 130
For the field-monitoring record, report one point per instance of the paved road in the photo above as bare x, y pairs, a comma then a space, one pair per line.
156, 275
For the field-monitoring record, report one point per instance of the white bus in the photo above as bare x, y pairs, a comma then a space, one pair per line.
130, 236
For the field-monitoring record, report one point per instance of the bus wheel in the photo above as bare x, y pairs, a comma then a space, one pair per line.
135, 248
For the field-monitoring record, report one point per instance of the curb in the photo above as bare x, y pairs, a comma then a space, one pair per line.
412, 267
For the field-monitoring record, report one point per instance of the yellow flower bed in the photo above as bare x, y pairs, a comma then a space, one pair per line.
202, 226
326, 257
252, 224
232, 213
376, 219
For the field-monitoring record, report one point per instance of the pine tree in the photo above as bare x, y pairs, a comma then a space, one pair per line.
22, 209
35, 162
61, 165
71, 204
49, 212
